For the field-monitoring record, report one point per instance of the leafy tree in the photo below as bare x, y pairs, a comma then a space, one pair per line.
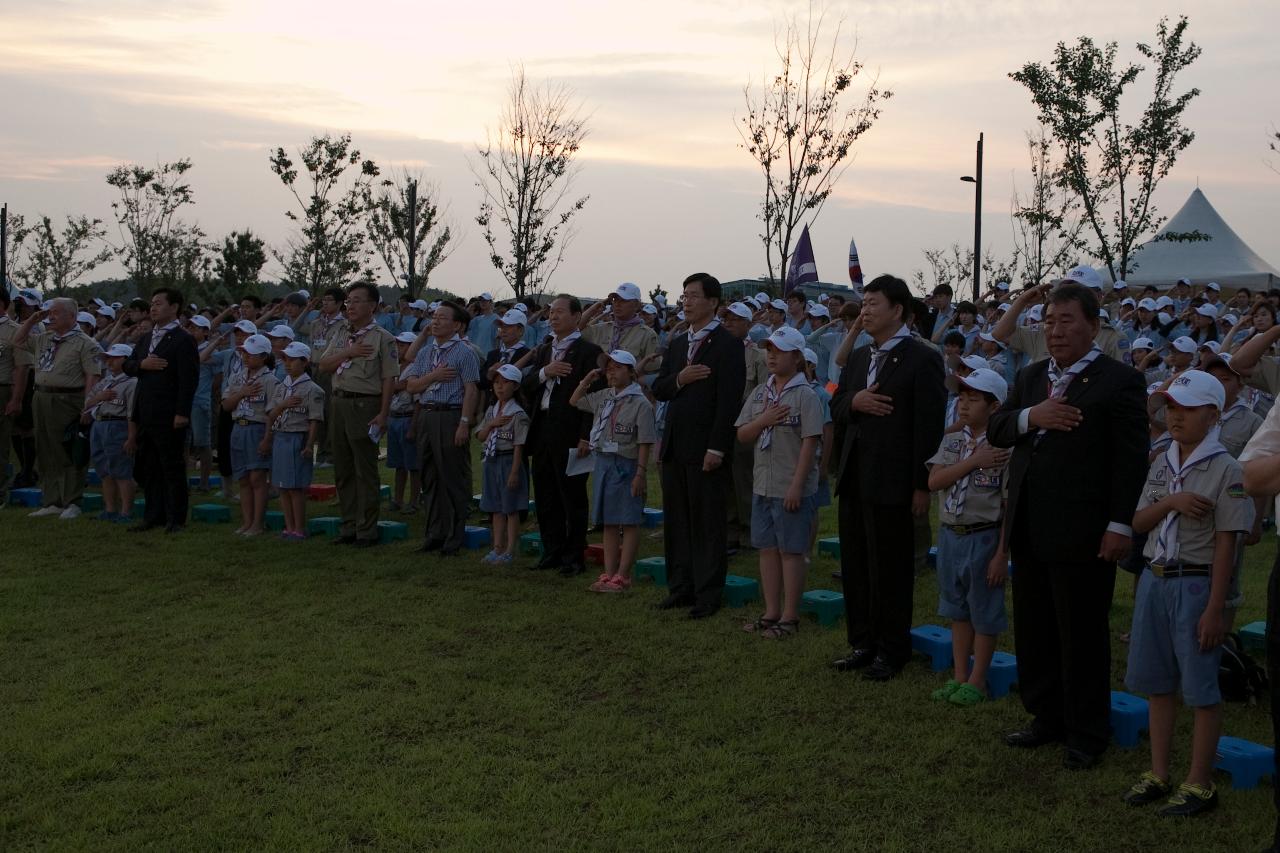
156, 246
800, 129
57, 260
1111, 166
16, 235
240, 263
525, 173
329, 248
389, 223
1046, 221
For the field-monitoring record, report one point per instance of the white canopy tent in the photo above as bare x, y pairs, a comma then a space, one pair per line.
1225, 258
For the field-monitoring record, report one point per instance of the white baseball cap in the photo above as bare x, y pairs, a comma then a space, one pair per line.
987, 336
1196, 388
1223, 359
1213, 285
1103, 315
628, 291
201, 321
1146, 303
778, 304
1119, 285
256, 345
433, 306
1206, 310
623, 357
31, 296
513, 317
1185, 281
522, 308
819, 311
119, 351
297, 349
1211, 346
403, 337
738, 309
1003, 306
86, 317
1085, 275
1229, 319
1183, 344
822, 297
1143, 343
973, 362
510, 371
810, 356
650, 309
1164, 318
418, 305
305, 294
281, 331
1036, 312
107, 311
987, 381
1164, 302
98, 302
786, 339
1128, 302
762, 298
247, 327
486, 296
1002, 286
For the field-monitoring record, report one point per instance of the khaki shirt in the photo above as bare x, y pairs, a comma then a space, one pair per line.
1238, 428
365, 375
1032, 342
322, 331
757, 370
640, 341
1266, 375
988, 487
1265, 441
253, 407
74, 359
775, 465
298, 418
402, 402
511, 436
631, 422
1218, 478
122, 406
11, 355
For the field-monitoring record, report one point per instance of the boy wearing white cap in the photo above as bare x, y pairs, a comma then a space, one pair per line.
504, 492
296, 412
113, 439
969, 475
783, 419
1195, 505
402, 446
245, 397
626, 330
622, 436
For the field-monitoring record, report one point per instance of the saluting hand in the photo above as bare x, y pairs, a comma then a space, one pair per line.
1055, 414
868, 402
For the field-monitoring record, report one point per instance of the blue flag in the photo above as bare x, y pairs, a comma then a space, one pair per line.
803, 269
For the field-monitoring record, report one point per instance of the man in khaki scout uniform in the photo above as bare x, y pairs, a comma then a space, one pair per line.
627, 330
364, 364
66, 367
15, 362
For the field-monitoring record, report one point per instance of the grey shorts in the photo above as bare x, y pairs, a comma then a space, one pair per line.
1164, 652
773, 527
963, 594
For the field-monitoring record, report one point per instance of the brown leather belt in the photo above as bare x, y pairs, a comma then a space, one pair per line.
352, 395
966, 529
1180, 570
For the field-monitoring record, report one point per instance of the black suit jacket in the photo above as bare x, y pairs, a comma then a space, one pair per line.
561, 425
700, 415
162, 394
883, 457
1075, 483
484, 384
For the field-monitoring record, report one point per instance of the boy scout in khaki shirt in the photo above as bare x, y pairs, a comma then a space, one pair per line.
364, 364
15, 362
66, 367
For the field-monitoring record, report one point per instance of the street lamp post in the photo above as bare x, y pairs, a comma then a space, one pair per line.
413, 235
977, 221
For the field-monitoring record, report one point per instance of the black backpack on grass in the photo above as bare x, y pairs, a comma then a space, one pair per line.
1240, 678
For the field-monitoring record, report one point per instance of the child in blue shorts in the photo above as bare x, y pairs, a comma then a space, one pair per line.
402, 450
505, 490
114, 436
296, 413
1194, 505
245, 397
972, 561
783, 419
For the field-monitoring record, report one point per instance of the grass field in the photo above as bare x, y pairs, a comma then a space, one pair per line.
207, 692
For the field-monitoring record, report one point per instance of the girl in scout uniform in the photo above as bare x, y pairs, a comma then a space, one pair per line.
505, 491
783, 419
402, 449
622, 437
297, 410
1194, 506
245, 397
113, 439
969, 474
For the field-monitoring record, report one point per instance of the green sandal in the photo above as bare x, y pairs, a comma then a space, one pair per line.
966, 696
943, 693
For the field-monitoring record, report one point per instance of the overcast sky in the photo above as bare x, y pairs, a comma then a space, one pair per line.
88, 85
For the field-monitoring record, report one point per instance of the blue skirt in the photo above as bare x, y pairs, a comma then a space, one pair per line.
289, 468
106, 450
611, 499
495, 496
245, 439
402, 452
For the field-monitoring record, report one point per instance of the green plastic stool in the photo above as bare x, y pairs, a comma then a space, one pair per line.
384, 492
825, 604
652, 567
531, 544
329, 525
829, 546
91, 502
739, 590
139, 507
214, 513
1253, 636
273, 519
390, 531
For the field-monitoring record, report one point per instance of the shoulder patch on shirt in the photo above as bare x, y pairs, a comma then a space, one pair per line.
1236, 490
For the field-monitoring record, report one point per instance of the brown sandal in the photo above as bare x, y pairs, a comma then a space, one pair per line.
781, 630
760, 625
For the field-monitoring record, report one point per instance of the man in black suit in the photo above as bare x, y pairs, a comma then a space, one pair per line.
1078, 424
701, 379
168, 369
559, 366
889, 407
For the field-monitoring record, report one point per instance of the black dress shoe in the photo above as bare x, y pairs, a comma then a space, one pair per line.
429, 546
702, 611
569, 570
1031, 737
880, 670
344, 540
143, 527
856, 659
673, 601
365, 543
1078, 759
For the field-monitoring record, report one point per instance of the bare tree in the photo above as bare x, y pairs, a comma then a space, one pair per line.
1046, 221
800, 129
389, 225
56, 261
526, 173
16, 234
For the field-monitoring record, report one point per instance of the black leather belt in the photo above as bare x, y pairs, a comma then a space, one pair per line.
53, 389
110, 418
352, 395
440, 407
1180, 570
247, 422
966, 529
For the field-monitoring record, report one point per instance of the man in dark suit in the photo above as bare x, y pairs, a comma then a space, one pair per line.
168, 369
559, 366
1078, 424
889, 408
701, 380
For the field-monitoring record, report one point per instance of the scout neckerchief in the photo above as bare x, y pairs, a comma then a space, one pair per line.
696, 339
289, 384
108, 382
51, 351
771, 398
609, 414
157, 335
506, 353
954, 503
1238, 406
1167, 541
620, 329
1060, 379
511, 407
881, 352
245, 407
1162, 443
438, 353
559, 349
354, 339
326, 325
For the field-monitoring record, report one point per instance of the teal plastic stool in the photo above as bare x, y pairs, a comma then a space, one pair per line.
932, 559
1248, 763
476, 537
384, 492
390, 531
214, 481
215, 513
652, 517
825, 604
531, 544
273, 519
739, 590
934, 642
1254, 636
1129, 718
329, 525
829, 546
652, 567
140, 508
91, 502
475, 501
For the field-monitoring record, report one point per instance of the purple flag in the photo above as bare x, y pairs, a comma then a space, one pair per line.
803, 269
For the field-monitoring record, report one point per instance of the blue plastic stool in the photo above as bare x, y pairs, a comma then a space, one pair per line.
653, 567
476, 537
329, 525
214, 513
934, 642
140, 508
1129, 718
26, 497
273, 519
1002, 675
475, 501
829, 546
91, 502
825, 604
214, 481
1254, 636
384, 492
739, 590
390, 531
652, 517
531, 544
92, 478
1248, 763
932, 559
